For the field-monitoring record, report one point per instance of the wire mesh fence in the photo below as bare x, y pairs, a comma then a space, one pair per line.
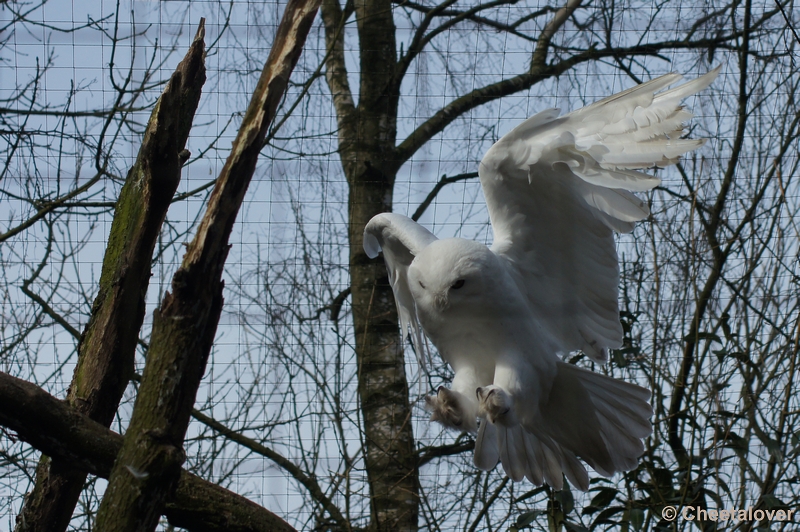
708, 285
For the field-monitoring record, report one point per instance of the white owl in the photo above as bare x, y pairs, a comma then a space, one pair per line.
556, 189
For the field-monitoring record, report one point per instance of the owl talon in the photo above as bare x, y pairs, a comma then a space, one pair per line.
496, 405
451, 409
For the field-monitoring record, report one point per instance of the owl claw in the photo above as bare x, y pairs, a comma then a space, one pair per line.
451, 409
496, 405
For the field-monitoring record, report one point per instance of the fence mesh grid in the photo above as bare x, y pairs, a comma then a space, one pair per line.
77, 85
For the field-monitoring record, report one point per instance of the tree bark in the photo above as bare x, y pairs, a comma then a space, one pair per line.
108, 344
367, 135
148, 467
54, 428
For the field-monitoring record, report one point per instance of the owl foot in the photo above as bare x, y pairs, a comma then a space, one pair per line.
496, 405
452, 410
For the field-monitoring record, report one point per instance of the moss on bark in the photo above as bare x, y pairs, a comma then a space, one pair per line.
108, 344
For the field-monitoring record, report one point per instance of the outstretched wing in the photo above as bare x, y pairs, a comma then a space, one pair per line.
401, 239
556, 189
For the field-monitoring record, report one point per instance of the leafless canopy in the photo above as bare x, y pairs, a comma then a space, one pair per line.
309, 405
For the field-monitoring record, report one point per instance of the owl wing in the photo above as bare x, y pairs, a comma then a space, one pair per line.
401, 239
558, 187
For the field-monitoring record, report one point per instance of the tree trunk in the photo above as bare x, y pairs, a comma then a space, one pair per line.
367, 138
147, 469
108, 344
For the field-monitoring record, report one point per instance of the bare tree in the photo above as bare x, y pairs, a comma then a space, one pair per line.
319, 391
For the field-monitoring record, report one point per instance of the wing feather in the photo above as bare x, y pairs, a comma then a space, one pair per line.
558, 187
401, 239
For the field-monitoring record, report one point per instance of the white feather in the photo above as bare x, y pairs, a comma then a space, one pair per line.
487, 451
556, 189
400, 239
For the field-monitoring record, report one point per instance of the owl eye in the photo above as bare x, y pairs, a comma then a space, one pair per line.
422, 285
458, 284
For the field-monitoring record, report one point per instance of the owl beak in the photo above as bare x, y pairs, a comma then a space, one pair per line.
440, 301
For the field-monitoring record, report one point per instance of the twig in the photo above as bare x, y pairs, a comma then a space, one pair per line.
443, 182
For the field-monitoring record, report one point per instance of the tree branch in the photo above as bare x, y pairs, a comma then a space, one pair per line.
428, 454
45, 306
57, 430
488, 504
298, 474
49, 207
335, 67
719, 257
539, 58
450, 112
419, 40
444, 181
470, 16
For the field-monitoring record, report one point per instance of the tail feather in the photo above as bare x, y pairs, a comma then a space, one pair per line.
597, 418
631, 417
535, 460
587, 415
524, 455
487, 451
552, 469
625, 450
512, 452
574, 471
623, 404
